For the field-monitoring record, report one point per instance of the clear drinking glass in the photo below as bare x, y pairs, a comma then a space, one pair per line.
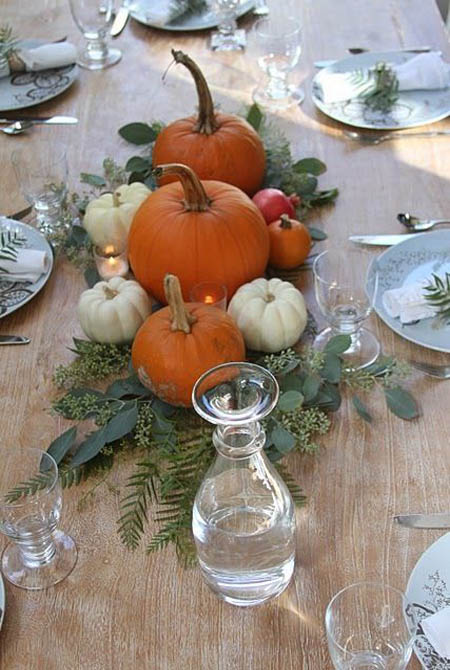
346, 282
227, 37
94, 18
370, 626
41, 172
30, 509
276, 41
243, 515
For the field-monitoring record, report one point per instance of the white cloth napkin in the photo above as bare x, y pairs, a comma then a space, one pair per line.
408, 302
43, 58
437, 630
424, 71
29, 266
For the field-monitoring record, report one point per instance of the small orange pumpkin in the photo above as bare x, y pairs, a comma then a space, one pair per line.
199, 231
178, 343
216, 146
290, 243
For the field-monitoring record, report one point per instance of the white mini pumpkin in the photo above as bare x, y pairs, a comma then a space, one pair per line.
108, 218
113, 311
271, 314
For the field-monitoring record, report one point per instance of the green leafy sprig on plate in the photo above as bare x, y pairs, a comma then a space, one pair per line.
8, 44
438, 296
10, 243
181, 9
379, 87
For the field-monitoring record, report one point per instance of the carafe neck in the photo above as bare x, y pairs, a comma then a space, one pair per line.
239, 442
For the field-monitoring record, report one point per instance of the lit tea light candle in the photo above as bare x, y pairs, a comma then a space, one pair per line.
210, 293
111, 261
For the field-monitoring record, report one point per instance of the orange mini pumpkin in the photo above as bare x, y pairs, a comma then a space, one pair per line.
178, 343
199, 231
290, 243
216, 146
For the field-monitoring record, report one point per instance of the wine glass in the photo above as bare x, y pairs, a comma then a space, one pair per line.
276, 42
345, 282
227, 37
370, 626
93, 18
30, 509
42, 174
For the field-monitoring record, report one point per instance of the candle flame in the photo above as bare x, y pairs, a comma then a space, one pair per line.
209, 299
109, 250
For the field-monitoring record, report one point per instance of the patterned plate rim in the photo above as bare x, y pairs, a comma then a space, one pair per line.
139, 16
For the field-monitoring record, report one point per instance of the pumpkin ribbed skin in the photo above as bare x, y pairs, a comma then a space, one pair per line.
169, 360
233, 153
290, 243
228, 242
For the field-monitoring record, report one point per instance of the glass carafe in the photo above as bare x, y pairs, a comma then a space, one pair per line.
243, 516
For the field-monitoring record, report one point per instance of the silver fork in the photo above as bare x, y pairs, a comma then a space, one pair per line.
438, 371
367, 138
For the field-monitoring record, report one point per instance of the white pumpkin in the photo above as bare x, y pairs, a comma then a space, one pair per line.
271, 314
113, 311
108, 218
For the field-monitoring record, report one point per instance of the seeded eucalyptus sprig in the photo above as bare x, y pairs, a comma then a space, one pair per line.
8, 44
438, 296
379, 87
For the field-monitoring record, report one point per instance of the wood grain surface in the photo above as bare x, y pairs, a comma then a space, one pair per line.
121, 610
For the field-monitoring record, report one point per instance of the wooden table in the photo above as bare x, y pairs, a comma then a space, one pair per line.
129, 610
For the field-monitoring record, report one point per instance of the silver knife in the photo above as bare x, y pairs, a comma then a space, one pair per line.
14, 339
61, 120
424, 520
328, 63
381, 240
120, 21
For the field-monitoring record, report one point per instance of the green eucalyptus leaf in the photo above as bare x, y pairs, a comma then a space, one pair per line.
290, 401
380, 366
331, 368
317, 234
361, 409
324, 197
291, 383
138, 164
310, 165
92, 179
401, 403
163, 408
338, 344
305, 183
91, 276
311, 387
328, 398
129, 386
122, 423
61, 445
78, 237
282, 440
90, 447
138, 133
138, 176
254, 117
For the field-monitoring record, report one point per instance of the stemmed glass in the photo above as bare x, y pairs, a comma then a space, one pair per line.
93, 18
243, 515
346, 281
276, 42
370, 626
227, 37
30, 509
41, 173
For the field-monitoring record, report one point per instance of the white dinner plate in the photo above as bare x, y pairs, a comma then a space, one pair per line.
428, 590
413, 108
410, 261
2, 601
24, 89
154, 13
21, 292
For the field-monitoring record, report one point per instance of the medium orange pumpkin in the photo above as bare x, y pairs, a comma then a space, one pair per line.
290, 243
178, 343
199, 231
215, 145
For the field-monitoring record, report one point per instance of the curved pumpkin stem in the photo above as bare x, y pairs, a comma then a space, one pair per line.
206, 122
285, 221
195, 196
182, 319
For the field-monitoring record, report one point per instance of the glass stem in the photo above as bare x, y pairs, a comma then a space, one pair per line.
37, 550
96, 49
277, 86
228, 24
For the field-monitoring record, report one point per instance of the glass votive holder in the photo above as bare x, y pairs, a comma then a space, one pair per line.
111, 261
210, 293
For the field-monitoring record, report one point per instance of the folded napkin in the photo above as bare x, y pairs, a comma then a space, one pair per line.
408, 302
424, 71
28, 266
40, 58
437, 630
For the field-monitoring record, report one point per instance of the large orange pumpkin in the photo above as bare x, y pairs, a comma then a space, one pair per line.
215, 145
199, 231
178, 343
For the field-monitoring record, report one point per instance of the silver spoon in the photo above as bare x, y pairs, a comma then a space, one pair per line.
17, 127
416, 225
368, 138
439, 371
416, 50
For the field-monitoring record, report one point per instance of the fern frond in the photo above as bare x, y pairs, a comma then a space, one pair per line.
294, 489
30, 487
135, 505
438, 296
